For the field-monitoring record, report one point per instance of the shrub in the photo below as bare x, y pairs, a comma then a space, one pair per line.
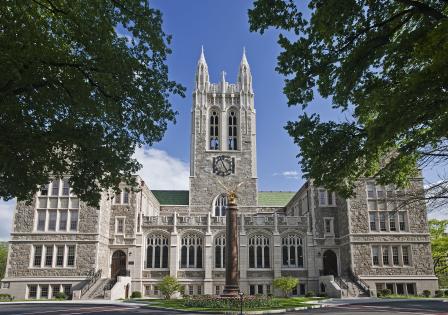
324, 295
6, 297
446, 293
217, 302
60, 296
310, 294
136, 295
286, 284
426, 293
169, 286
438, 293
385, 292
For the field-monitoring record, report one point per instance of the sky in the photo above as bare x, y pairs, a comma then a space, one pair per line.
222, 28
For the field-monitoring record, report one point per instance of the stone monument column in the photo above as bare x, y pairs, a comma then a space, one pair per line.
232, 273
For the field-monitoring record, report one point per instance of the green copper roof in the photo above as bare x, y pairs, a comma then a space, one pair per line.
172, 197
265, 198
274, 198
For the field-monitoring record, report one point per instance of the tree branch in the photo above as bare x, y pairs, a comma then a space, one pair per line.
424, 9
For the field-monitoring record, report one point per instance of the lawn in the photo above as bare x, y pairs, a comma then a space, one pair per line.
282, 303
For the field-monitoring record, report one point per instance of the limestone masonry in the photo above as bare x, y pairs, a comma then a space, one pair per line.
341, 247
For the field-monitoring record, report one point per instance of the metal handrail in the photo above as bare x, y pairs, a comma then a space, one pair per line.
91, 280
361, 283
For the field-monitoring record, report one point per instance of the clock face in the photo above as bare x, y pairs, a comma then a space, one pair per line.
223, 165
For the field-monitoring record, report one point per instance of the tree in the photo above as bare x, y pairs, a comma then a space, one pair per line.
439, 246
169, 286
3, 259
83, 84
286, 284
384, 61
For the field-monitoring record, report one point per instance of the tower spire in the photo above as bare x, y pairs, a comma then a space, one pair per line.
202, 77
244, 75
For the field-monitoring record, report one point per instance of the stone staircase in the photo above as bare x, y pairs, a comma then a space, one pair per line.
97, 290
353, 289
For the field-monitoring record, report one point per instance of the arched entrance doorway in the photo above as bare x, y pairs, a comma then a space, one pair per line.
118, 264
330, 263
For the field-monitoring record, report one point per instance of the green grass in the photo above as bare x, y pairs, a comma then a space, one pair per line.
179, 304
404, 297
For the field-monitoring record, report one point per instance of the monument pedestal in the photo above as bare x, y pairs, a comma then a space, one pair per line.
231, 289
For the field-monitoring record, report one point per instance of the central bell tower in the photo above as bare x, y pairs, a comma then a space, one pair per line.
223, 131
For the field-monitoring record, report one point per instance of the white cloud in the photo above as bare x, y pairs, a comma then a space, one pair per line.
162, 171
288, 174
6, 213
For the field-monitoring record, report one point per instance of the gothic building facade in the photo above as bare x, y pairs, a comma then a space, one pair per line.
343, 247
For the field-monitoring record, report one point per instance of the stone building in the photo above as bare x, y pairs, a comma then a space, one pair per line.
343, 247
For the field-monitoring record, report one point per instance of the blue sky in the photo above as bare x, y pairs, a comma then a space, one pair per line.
222, 27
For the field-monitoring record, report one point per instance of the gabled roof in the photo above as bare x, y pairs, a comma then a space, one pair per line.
274, 198
172, 197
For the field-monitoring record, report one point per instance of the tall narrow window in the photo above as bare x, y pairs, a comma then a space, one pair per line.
157, 251
49, 255
41, 217
375, 255
259, 245
191, 251
55, 187
65, 187
233, 131
220, 251
62, 220
395, 258
37, 255
372, 216
60, 256
405, 252
73, 220
292, 251
382, 221
385, 255
214, 131
221, 206
52, 220
120, 225
125, 197
44, 291
71, 255
401, 219
392, 223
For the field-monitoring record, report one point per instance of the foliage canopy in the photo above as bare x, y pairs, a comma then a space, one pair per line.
169, 286
83, 83
384, 61
286, 284
439, 247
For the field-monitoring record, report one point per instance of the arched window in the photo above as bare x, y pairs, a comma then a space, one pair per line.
292, 251
214, 130
259, 252
220, 251
220, 206
233, 131
191, 251
157, 251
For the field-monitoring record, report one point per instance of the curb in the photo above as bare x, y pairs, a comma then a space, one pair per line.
275, 311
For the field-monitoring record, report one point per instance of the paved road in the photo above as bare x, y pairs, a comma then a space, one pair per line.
77, 309
381, 308
395, 307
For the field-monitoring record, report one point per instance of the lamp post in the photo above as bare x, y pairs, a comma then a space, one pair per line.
241, 294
